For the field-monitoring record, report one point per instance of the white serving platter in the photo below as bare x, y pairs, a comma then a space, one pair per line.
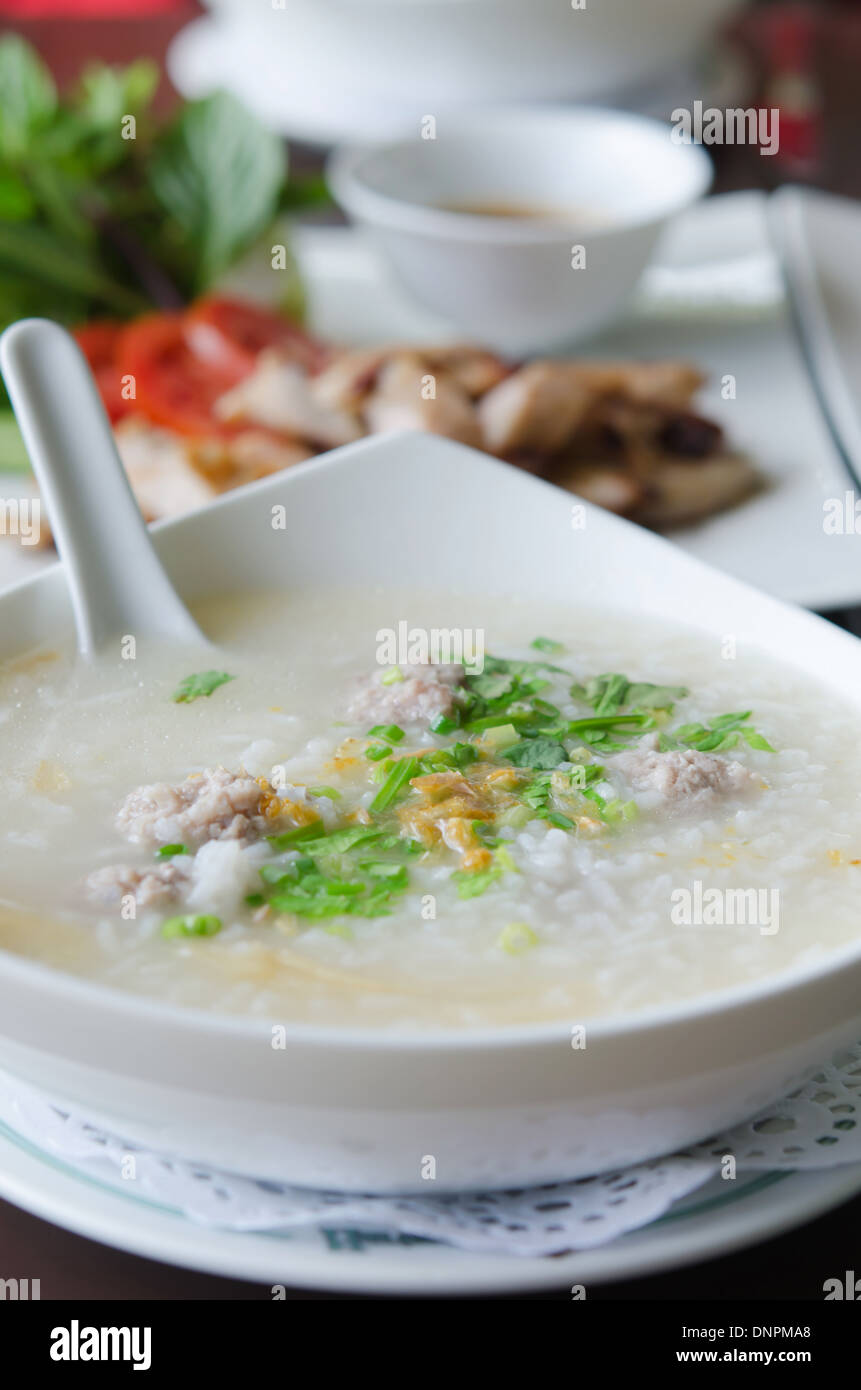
715, 297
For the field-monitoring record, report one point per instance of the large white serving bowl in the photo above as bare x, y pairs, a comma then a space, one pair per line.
361, 1110
611, 182
400, 56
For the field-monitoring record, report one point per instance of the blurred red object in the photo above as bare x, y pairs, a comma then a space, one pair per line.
807, 57
86, 9
793, 85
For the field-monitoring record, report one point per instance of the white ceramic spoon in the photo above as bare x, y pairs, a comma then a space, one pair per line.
115, 578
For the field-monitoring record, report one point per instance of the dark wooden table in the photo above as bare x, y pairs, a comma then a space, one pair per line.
793, 1267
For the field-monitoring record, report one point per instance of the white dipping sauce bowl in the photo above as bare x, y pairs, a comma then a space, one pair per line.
605, 182
358, 1109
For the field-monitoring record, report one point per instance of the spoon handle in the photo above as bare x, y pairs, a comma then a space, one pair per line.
115, 578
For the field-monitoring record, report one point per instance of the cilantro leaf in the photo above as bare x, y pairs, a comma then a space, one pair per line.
202, 683
542, 753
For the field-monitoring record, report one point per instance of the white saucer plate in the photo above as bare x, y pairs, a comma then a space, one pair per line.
716, 1220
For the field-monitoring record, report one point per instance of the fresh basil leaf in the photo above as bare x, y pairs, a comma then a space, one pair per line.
107, 94
218, 173
28, 97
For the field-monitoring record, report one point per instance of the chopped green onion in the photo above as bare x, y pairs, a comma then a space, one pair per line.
303, 905
190, 926
464, 754
500, 736
731, 721
443, 724
169, 851
276, 873
493, 721
609, 721
472, 883
390, 732
547, 644
395, 875
516, 938
288, 838
329, 792
757, 740
392, 676
377, 752
397, 779
342, 841
255, 900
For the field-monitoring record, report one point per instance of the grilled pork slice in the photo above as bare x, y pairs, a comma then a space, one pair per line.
171, 473
281, 396
408, 396
613, 488
667, 492
670, 384
353, 375
476, 370
163, 469
535, 410
543, 407
680, 493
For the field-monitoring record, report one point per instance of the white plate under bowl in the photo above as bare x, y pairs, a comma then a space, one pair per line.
716, 1220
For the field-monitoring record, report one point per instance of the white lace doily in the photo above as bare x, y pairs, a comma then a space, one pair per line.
818, 1126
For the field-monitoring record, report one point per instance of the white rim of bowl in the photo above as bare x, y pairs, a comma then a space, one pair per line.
126, 1004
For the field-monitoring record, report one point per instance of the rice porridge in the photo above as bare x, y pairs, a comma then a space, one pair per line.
597, 816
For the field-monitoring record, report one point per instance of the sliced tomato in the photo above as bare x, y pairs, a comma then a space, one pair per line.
231, 333
174, 387
98, 341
